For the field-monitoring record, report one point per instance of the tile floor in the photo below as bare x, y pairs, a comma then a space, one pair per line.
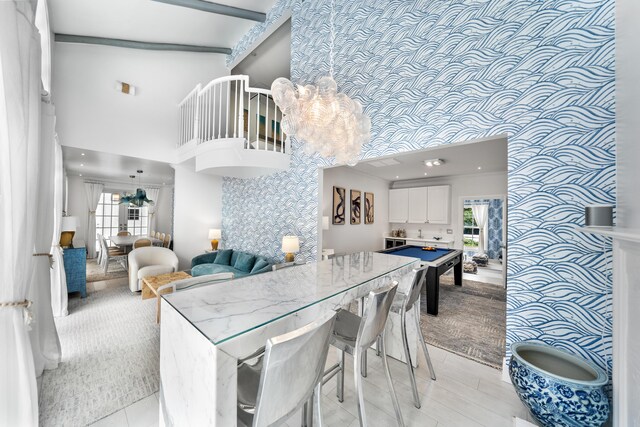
465, 393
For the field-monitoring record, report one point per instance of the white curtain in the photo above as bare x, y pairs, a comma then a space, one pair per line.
93, 191
19, 149
153, 193
44, 336
480, 214
59, 298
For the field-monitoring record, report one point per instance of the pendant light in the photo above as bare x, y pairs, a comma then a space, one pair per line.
328, 122
139, 199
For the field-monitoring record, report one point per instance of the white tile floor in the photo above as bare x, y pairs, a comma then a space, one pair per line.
465, 393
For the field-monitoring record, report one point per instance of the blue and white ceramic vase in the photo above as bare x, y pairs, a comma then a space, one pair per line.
559, 389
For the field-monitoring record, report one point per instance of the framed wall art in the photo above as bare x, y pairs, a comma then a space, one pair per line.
368, 208
339, 206
356, 204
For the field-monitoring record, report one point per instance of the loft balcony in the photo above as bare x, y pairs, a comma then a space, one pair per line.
228, 128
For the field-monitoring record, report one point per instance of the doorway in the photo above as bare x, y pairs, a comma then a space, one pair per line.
484, 225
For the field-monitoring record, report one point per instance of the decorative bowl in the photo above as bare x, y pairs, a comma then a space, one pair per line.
558, 388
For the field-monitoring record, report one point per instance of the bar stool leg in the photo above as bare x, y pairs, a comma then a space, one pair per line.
340, 385
394, 398
424, 345
407, 355
357, 361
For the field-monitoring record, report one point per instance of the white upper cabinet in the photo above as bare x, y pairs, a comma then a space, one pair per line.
398, 205
422, 205
417, 205
438, 202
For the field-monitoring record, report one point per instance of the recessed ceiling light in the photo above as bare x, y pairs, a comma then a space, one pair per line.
479, 167
164, 183
425, 174
82, 154
428, 163
81, 164
397, 177
80, 174
433, 162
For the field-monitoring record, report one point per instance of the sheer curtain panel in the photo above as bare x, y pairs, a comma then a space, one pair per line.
19, 148
153, 193
59, 296
480, 213
93, 191
44, 336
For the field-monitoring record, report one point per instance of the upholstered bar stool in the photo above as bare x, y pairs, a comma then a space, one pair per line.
287, 377
354, 334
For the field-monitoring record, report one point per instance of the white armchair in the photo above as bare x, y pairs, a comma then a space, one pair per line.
150, 261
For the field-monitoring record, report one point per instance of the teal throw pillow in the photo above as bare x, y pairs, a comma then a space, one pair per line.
244, 262
223, 257
259, 265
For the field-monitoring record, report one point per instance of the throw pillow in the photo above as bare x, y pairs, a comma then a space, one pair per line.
259, 265
244, 262
223, 257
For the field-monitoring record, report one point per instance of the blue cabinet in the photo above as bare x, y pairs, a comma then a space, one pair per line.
75, 267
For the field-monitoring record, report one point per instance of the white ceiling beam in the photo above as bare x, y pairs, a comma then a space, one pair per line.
71, 38
219, 9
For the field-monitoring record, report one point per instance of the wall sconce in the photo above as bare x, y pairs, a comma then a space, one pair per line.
125, 88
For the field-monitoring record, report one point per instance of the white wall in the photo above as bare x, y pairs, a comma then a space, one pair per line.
486, 184
198, 207
627, 108
164, 210
91, 114
358, 237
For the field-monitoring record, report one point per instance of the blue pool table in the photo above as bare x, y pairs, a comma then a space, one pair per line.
439, 262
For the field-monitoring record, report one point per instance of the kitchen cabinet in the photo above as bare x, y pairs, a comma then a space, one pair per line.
421, 205
417, 205
399, 205
438, 202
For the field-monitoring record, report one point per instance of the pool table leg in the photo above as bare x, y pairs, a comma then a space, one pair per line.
432, 286
457, 272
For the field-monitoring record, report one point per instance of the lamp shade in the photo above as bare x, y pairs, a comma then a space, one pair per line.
69, 223
290, 244
325, 222
215, 233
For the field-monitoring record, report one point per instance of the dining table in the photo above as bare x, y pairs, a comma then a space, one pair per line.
126, 242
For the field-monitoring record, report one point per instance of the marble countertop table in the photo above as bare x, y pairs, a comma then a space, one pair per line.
205, 330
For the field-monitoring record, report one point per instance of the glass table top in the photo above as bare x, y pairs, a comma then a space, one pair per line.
222, 311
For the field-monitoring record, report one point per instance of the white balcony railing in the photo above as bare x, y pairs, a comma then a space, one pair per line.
228, 107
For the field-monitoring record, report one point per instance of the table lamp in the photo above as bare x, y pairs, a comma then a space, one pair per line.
290, 245
68, 230
214, 235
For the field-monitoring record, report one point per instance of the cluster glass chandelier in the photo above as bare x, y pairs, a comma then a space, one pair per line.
137, 199
328, 122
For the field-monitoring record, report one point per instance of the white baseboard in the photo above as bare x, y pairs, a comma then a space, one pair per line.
505, 371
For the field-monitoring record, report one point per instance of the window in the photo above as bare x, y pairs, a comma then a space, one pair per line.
471, 233
137, 220
107, 215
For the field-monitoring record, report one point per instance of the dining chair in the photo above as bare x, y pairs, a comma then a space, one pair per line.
141, 242
111, 255
192, 282
265, 398
167, 240
354, 334
403, 304
152, 233
124, 233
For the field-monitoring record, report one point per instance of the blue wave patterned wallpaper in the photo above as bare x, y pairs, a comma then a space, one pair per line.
439, 72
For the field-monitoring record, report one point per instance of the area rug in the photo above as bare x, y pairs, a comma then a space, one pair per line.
471, 321
110, 358
95, 273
